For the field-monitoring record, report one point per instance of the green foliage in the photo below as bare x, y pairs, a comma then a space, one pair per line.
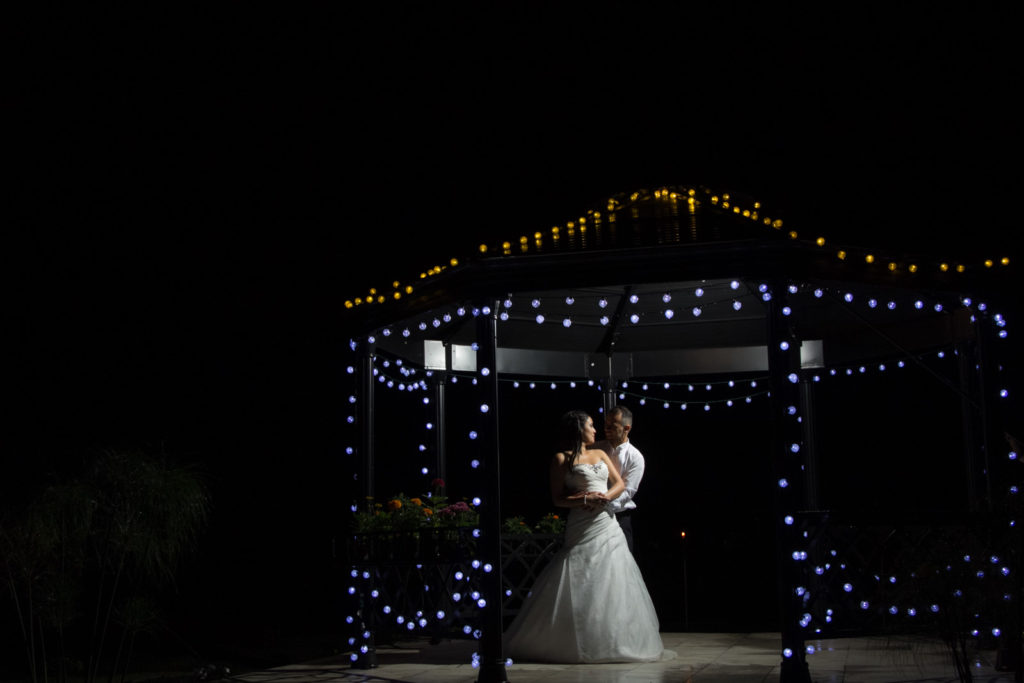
548, 524
515, 525
85, 555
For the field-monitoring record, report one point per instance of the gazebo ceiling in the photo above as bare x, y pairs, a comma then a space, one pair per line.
674, 328
674, 281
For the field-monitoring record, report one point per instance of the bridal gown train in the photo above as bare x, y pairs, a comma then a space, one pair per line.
590, 603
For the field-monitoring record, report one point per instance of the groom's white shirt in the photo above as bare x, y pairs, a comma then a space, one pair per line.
630, 462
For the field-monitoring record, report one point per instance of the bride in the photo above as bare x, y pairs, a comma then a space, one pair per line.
590, 603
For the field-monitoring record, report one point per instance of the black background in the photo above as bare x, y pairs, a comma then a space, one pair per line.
196, 192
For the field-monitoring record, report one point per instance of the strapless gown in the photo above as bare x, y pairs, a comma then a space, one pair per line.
590, 603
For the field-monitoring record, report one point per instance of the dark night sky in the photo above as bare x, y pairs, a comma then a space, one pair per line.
197, 191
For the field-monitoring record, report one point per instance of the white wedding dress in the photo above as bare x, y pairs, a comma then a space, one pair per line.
590, 603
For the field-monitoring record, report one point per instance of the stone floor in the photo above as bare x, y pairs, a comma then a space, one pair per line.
699, 658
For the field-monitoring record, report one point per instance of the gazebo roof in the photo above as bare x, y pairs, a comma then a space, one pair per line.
674, 281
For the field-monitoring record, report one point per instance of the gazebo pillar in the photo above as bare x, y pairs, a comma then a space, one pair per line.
366, 424
367, 615
440, 426
790, 493
492, 658
810, 443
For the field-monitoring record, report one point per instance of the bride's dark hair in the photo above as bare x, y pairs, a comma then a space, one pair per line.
571, 434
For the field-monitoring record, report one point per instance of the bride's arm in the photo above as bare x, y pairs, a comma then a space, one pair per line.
560, 497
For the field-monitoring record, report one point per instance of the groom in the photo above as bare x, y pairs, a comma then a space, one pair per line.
617, 424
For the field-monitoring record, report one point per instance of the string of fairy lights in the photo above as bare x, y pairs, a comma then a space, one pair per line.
574, 234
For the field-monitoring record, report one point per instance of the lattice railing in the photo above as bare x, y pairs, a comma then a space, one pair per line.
944, 577
429, 583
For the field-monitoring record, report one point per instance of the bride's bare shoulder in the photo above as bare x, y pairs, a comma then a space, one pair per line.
591, 456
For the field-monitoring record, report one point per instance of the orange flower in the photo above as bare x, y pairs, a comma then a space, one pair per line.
428, 511
554, 516
394, 504
417, 501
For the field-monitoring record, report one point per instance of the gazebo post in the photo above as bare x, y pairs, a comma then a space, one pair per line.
784, 373
810, 445
366, 612
609, 390
366, 415
492, 659
440, 426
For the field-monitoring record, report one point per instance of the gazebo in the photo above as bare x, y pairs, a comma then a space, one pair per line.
648, 295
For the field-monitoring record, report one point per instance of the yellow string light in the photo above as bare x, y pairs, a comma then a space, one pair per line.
723, 200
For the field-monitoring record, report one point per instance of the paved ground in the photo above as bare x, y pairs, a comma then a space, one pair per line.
699, 658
